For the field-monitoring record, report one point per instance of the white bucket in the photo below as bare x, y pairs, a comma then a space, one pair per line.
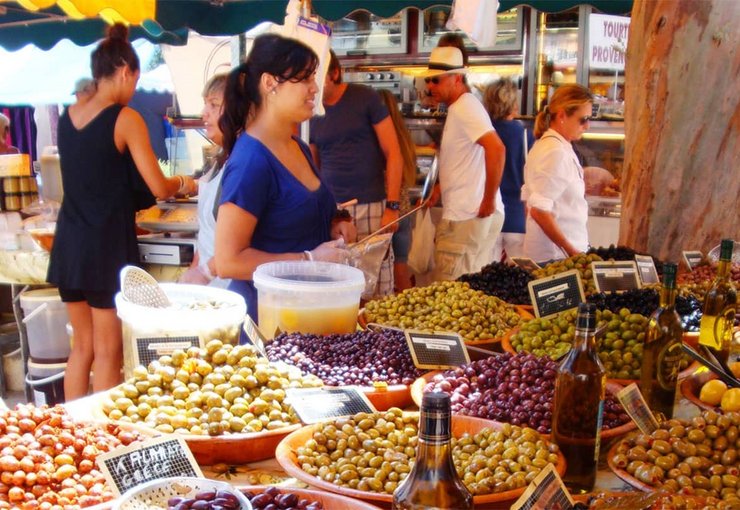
46, 325
47, 382
308, 297
149, 333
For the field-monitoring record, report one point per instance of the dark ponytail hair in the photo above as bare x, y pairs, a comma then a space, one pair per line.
285, 59
113, 52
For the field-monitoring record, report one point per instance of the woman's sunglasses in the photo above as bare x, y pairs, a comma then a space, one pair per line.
582, 121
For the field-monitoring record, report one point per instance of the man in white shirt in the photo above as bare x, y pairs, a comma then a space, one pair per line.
471, 163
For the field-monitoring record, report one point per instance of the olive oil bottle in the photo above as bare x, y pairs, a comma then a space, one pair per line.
578, 406
661, 357
433, 483
720, 303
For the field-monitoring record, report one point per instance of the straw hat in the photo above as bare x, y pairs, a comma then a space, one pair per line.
445, 60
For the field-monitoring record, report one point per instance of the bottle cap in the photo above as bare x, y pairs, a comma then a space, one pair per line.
669, 274
436, 401
586, 316
726, 248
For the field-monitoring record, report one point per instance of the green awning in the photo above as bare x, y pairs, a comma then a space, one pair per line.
44, 28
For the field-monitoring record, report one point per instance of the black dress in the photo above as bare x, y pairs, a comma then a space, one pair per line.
96, 230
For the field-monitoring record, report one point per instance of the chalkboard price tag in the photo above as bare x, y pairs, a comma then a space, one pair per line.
525, 263
140, 462
254, 335
555, 294
436, 350
646, 269
635, 406
692, 258
313, 405
149, 349
546, 492
615, 275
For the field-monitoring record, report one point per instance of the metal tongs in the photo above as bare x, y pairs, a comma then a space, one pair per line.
426, 195
713, 364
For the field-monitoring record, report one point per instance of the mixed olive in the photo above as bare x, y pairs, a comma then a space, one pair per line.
445, 306
273, 498
363, 357
656, 500
48, 460
516, 389
581, 262
504, 281
645, 301
375, 453
215, 390
697, 456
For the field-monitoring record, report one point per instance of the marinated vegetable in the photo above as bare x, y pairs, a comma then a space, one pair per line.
374, 452
445, 306
363, 357
216, 390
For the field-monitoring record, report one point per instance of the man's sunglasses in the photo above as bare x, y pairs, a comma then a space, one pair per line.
434, 80
582, 121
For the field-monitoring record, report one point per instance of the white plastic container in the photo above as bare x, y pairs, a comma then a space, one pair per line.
308, 297
45, 317
47, 382
198, 314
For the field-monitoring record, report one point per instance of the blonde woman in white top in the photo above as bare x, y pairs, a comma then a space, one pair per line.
554, 188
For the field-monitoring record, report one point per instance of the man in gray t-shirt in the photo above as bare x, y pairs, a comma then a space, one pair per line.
356, 149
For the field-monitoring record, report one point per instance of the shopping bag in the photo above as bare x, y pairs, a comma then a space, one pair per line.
368, 256
421, 253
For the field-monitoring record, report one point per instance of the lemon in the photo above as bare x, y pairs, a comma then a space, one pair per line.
712, 392
735, 368
731, 400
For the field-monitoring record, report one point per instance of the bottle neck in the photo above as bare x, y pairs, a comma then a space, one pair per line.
434, 426
585, 338
667, 296
723, 269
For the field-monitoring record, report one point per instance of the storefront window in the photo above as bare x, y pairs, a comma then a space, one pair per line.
607, 45
363, 33
557, 42
433, 25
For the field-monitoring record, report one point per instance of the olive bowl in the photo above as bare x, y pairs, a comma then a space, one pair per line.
417, 391
286, 455
156, 493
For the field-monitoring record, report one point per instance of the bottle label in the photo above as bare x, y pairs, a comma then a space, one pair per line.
669, 365
635, 406
434, 426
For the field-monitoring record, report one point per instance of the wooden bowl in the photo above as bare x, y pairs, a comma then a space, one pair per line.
329, 500
286, 457
691, 388
233, 448
623, 474
417, 392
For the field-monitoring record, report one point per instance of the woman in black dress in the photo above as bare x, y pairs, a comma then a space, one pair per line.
109, 171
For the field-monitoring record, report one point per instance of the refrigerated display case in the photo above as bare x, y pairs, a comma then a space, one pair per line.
433, 21
363, 33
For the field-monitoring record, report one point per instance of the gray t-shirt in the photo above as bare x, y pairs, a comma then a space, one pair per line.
352, 161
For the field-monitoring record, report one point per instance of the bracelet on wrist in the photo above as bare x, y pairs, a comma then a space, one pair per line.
307, 255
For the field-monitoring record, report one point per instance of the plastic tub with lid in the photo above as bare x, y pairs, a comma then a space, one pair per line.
45, 317
198, 314
308, 297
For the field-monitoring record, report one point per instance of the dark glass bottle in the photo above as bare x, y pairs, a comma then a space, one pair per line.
661, 357
720, 303
433, 482
578, 406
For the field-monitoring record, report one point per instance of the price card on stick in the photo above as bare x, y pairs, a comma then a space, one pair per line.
313, 405
254, 335
546, 492
525, 263
615, 275
149, 349
692, 258
436, 350
635, 406
646, 269
558, 293
140, 462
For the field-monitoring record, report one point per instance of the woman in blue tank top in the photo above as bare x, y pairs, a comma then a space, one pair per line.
274, 206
